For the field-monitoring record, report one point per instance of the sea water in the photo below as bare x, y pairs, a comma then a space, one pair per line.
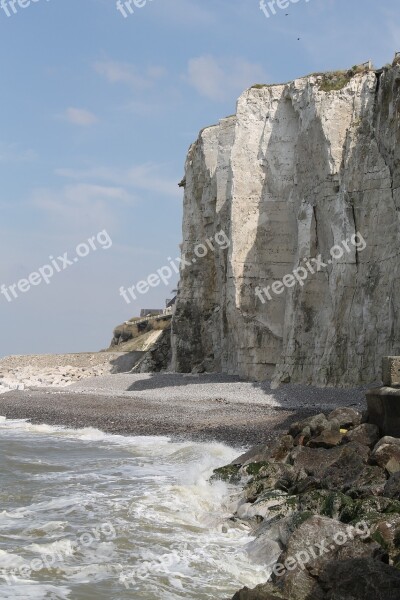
86, 515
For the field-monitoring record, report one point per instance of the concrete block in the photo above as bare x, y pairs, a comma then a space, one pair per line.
391, 371
384, 410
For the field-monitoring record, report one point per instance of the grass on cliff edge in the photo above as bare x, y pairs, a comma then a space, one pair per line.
331, 81
337, 80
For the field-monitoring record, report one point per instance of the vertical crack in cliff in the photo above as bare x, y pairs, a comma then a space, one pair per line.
316, 229
353, 210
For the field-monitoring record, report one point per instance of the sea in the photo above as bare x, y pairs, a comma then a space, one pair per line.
86, 515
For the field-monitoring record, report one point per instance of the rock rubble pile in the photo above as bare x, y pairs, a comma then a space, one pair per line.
31, 377
324, 506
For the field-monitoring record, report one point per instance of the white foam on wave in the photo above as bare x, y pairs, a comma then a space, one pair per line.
90, 434
34, 591
173, 537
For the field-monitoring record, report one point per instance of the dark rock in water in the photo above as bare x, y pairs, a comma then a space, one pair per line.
386, 454
365, 434
347, 417
392, 487
269, 477
258, 453
278, 452
261, 592
360, 579
229, 473
326, 439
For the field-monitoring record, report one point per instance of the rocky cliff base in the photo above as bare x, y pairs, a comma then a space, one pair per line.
324, 507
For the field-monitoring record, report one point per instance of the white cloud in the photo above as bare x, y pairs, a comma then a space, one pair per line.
80, 116
221, 79
146, 177
127, 73
81, 205
13, 153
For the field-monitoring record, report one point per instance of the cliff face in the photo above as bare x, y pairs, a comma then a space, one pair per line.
298, 170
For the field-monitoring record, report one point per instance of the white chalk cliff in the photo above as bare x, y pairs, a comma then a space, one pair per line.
296, 171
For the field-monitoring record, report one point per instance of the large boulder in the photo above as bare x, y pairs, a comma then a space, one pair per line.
392, 487
350, 474
268, 477
316, 543
269, 505
257, 453
386, 454
371, 509
347, 417
279, 451
312, 426
365, 434
262, 592
325, 503
386, 531
326, 439
315, 461
359, 579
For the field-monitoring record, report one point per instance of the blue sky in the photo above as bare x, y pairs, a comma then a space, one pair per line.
97, 114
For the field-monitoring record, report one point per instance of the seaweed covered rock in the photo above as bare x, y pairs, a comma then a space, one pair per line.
229, 473
269, 477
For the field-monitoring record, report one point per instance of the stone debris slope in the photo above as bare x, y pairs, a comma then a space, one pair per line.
323, 503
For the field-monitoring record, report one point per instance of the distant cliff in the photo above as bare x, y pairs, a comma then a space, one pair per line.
300, 169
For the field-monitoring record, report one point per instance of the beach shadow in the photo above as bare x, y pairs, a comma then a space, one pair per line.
167, 380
